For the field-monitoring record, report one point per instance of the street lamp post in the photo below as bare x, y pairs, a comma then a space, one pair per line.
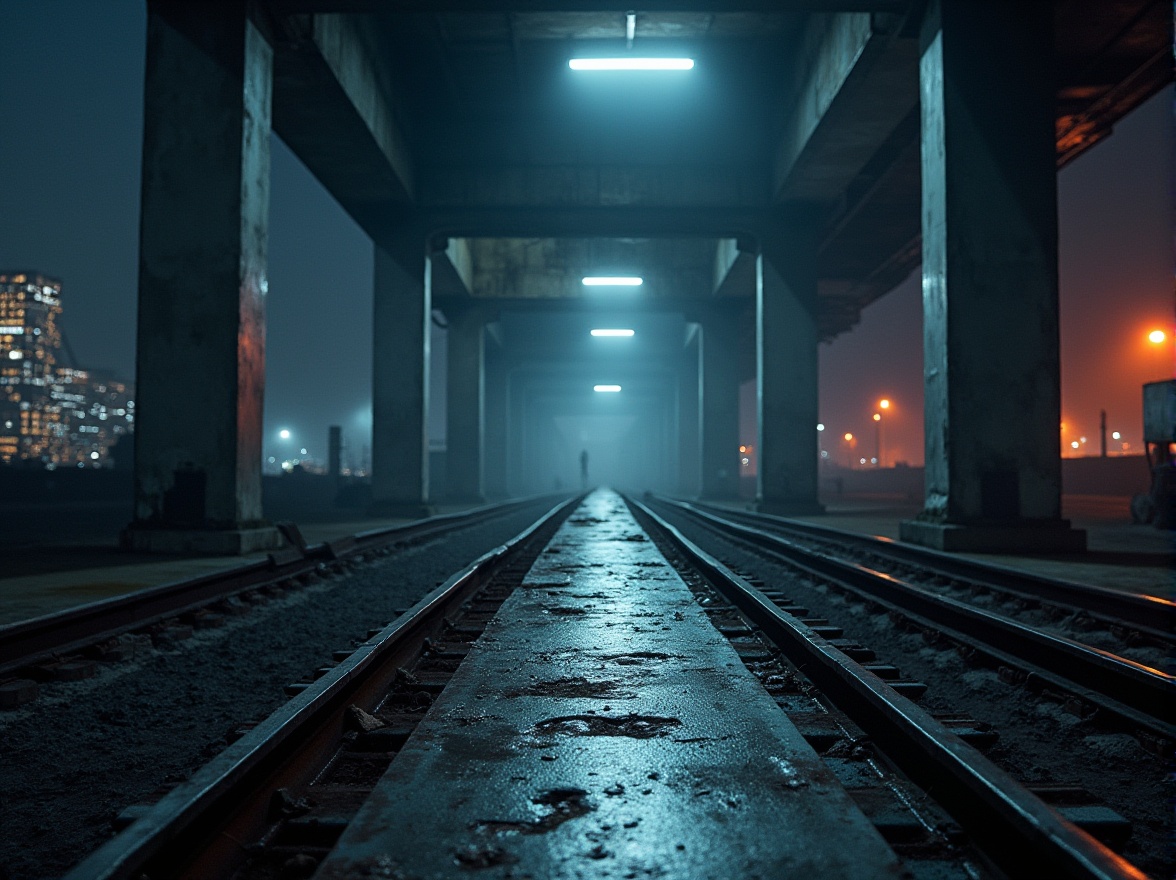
1159, 340
883, 406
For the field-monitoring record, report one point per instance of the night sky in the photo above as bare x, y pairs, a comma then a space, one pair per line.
71, 101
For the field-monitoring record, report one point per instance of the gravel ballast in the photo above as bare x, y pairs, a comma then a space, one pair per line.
1040, 743
74, 759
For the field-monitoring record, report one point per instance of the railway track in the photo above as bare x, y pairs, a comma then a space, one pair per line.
1134, 618
67, 645
1139, 697
248, 793
279, 800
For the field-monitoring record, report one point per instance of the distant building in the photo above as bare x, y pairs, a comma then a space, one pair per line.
97, 411
51, 414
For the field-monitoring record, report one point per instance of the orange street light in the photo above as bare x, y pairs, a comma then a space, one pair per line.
1156, 337
884, 403
849, 438
877, 417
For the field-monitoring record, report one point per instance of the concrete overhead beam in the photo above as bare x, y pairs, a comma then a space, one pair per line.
734, 268
608, 221
453, 271
552, 268
856, 79
333, 107
591, 186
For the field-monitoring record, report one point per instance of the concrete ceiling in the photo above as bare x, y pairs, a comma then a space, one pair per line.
460, 120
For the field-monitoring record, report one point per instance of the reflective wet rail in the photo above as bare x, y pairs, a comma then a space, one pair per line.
1140, 695
1132, 617
580, 703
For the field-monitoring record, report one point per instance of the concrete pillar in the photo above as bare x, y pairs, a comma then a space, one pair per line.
518, 453
786, 381
200, 371
400, 381
990, 280
496, 428
689, 422
720, 406
465, 404
335, 452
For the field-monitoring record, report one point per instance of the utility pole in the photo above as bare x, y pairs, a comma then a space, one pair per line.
1102, 432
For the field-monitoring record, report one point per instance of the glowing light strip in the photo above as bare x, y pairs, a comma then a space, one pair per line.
612, 389
631, 63
612, 281
612, 332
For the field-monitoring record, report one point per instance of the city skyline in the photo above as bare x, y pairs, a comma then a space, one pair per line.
52, 414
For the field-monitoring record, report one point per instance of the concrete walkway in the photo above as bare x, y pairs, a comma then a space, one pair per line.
592, 733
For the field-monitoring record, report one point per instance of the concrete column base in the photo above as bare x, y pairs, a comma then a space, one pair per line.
790, 508
400, 509
206, 542
1054, 536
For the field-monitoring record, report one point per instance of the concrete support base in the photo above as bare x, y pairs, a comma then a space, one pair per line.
1053, 536
206, 542
400, 510
790, 508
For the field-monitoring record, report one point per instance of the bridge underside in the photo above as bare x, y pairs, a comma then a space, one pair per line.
808, 163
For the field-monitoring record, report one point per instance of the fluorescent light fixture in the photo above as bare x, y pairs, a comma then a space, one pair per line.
612, 332
630, 63
612, 389
613, 281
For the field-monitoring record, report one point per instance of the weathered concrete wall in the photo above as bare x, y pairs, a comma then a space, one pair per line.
552, 268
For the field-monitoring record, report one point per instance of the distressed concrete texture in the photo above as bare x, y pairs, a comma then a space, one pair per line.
601, 726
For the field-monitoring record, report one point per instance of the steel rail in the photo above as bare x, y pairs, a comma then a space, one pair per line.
1152, 615
203, 822
1143, 696
1021, 834
45, 638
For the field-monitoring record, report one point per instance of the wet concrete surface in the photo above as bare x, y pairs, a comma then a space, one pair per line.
601, 727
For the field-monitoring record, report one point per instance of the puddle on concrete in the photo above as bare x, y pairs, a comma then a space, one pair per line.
552, 807
633, 726
640, 658
586, 521
547, 585
576, 686
790, 776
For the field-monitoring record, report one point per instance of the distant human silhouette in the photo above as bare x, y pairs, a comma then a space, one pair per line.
584, 469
